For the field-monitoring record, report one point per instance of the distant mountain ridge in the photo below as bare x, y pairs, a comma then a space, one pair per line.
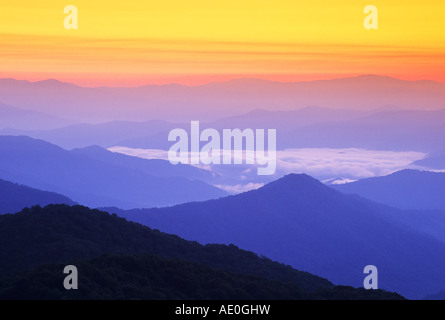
16, 118
15, 197
92, 182
106, 134
406, 189
154, 167
433, 161
389, 129
215, 100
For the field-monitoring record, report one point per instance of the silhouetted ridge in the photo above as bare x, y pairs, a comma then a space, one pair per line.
147, 277
118, 259
59, 233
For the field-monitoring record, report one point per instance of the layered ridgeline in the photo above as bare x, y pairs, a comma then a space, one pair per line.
299, 221
117, 259
419, 193
406, 189
436, 160
386, 128
152, 167
90, 181
215, 100
14, 197
16, 118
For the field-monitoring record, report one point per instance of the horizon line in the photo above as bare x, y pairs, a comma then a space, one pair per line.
73, 83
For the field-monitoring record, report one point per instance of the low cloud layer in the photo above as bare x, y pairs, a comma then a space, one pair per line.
322, 163
348, 163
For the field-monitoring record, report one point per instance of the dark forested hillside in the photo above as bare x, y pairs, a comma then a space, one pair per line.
139, 262
59, 233
148, 277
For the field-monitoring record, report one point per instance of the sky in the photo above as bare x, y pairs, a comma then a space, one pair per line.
134, 42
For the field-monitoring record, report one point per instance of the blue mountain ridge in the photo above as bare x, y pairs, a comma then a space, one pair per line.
94, 183
299, 221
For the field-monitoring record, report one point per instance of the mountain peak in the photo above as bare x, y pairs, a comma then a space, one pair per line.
295, 183
297, 178
53, 83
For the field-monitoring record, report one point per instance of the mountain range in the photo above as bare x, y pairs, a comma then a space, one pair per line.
215, 100
310, 127
103, 134
154, 167
14, 197
17, 118
299, 221
435, 160
95, 182
406, 189
118, 259
56, 143
315, 127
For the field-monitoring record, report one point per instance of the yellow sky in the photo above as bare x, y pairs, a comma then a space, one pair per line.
140, 41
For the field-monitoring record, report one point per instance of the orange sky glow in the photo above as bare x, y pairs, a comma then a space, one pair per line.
133, 43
